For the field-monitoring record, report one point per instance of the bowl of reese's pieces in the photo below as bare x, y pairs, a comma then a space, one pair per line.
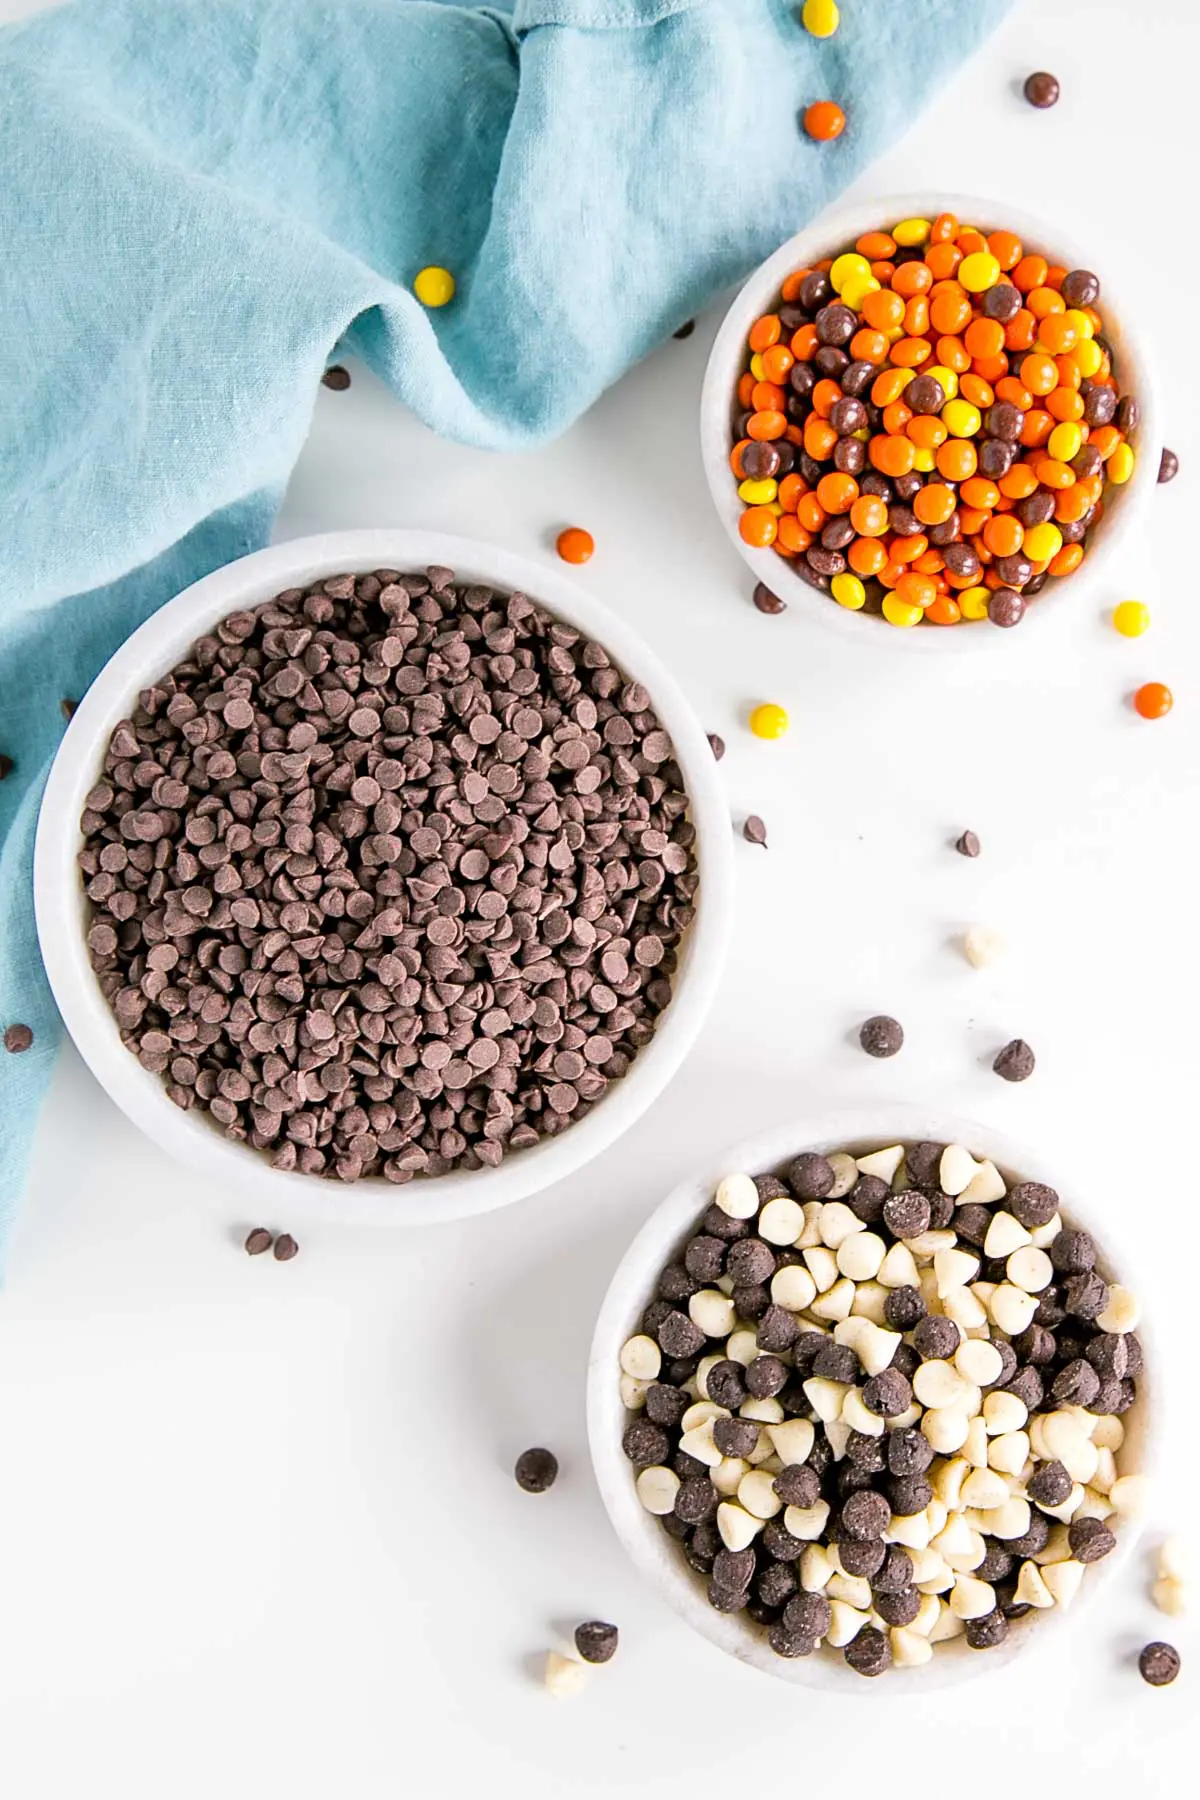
927, 416
872, 1398
385, 876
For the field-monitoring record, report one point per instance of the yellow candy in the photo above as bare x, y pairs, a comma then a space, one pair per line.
960, 418
820, 17
758, 493
846, 266
911, 232
923, 460
849, 592
979, 271
1042, 542
897, 611
1065, 441
1119, 466
756, 366
434, 286
947, 378
1087, 357
857, 288
768, 721
1083, 325
1131, 618
973, 602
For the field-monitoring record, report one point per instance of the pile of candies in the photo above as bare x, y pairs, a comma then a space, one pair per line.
927, 423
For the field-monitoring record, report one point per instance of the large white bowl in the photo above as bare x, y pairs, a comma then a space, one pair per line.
835, 231
660, 1558
61, 905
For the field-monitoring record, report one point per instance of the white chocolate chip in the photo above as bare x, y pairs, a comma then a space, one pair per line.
939, 1576
927, 1617
756, 1492
971, 1598
877, 1347
928, 1243
837, 1436
822, 1266
883, 1163
910, 1648
1010, 1520
906, 1420
743, 1347
793, 1287
979, 1361
982, 946
793, 1440
852, 1590
985, 1489
845, 1174
763, 1455
835, 1303
641, 1357
845, 1624
1129, 1495
633, 1392
810, 1237
816, 1566
704, 1369
967, 1310
564, 1677
953, 1269
1122, 1312
1169, 1595
737, 1196
1004, 1412
898, 1268
858, 1417
807, 1522
1108, 1433
699, 1443
712, 1312
984, 1188
781, 1221
976, 1447
1044, 1235
726, 1283
948, 1626
1030, 1269
700, 1412
947, 1480
870, 1301
1012, 1308
1173, 1560
656, 1489
727, 1476
1106, 1471
1067, 1508
737, 1527
838, 1223
1056, 1549
1031, 1587
1094, 1504
957, 1169
1004, 1235
1009, 1452
938, 1383
913, 1530
860, 1256
945, 1428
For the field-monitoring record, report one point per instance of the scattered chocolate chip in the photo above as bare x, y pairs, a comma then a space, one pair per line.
336, 377
716, 745
881, 1035
258, 1241
69, 708
1042, 89
754, 831
1015, 1062
968, 844
1159, 1664
286, 1247
17, 1038
536, 1470
596, 1641
1168, 466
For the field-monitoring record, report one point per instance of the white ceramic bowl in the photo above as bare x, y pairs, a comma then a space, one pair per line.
838, 230
191, 1136
660, 1559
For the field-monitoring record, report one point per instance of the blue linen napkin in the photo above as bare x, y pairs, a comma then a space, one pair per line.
202, 198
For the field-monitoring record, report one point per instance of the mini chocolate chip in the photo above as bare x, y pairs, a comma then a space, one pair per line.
935, 1338
645, 1443
881, 1035
1049, 1485
257, 1241
865, 1515
1159, 1664
285, 1247
809, 1176
903, 1308
678, 1336
887, 1394
765, 1377
866, 1198
754, 831
726, 1388
1016, 1061
17, 1038
808, 1615
909, 1494
595, 1640
1073, 1252
836, 1362
665, 1404
987, 1632
895, 1572
1032, 1204
336, 377
907, 1214
869, 1651
536, 1470
1090, 1540
908, 1452
897, 1606
1168, 466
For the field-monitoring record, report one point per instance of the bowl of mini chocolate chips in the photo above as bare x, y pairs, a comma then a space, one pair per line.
872, 1398
384, 875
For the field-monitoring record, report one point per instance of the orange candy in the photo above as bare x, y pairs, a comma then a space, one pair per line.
819, 437
757, 525
984, 337
884, 310
1039, 373
950, 312
575, 545
912, 278
791, 535
765, 331
825, 397
868, 346
1030, 273
805, 343
778, 362
866, 555
768, 397
980, 493
892, 456
824, 120
811, 513
869, 517
764, 427
1006, 248
837, 492
943, 611
957, 460
917, 590
874, 244
934, 504
1153, 700
1004, 534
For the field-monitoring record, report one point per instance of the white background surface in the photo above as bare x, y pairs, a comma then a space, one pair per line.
258, 1529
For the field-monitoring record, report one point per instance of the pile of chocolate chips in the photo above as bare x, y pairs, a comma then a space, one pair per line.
389, 876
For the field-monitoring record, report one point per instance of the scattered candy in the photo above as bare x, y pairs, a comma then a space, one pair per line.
575, 545
536, 1470
6, 766
596, 1641
685, 330
968, 844
881, 1035
927, 424
286, 1247
336, 378
824, 120
820, 17
17, 1038
564, 1676
982, 946
434, 286
1159, 1664
769, 721
858, 1435
1131, 618
1153, 700
754, 831
1042, 89
1168, 467
766, 601
1015, 1062
716, 745
258, 1242
68, 708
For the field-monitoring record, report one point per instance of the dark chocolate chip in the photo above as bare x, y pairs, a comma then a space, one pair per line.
536, 1470
754, 831
285, 1247
866, 1198
903, 1308
908, 1452
887, 1394
869, 1651
909, 1494
258, 1241
685, 330
666, 1405
1049, 1485
1090, 1540
907, 1214
717, 745
1032, 1204
1016, 1061
1168, 466
1073, 1252
1159, 1664
881, 1035
897, 1606
968, 844
936, 1338
595, 1640
809, 1176
987, 1632
798, 1485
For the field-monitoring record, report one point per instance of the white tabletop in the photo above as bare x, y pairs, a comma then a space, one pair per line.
259, 1529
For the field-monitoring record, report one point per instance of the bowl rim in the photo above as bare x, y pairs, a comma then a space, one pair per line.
835, 228
656, 1557
60, 905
